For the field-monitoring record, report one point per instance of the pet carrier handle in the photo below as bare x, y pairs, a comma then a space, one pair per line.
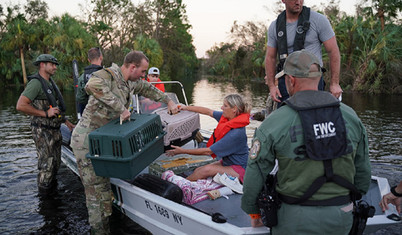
129, 120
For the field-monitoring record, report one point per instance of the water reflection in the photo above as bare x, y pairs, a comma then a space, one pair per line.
382, 117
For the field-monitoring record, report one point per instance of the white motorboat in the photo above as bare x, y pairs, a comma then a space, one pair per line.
160, 215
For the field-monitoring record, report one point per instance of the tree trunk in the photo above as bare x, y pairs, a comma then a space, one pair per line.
157, 26
349, 53
24, 73
381, 16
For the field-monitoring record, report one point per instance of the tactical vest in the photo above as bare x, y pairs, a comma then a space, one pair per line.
54, 99
303, 25
325, 139
82, 96
89, 70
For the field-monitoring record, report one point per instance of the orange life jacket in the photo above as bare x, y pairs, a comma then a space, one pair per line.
160, 86
225, 125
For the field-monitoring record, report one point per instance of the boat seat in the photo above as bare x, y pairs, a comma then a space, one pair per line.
179, 164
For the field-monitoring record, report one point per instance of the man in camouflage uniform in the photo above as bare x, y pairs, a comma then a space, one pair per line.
110, 91
43, 101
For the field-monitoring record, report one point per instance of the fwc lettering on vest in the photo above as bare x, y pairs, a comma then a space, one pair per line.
324, 130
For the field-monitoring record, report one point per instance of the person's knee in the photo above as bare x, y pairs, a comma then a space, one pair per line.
207, 170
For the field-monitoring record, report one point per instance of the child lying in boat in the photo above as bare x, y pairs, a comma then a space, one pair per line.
228, 143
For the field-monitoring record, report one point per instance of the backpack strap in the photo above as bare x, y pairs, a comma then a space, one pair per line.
328, 176
51, 98
61, 105
106, 72
303, 25
282, 38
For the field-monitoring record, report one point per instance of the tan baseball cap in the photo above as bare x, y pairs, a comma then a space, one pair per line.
298, 65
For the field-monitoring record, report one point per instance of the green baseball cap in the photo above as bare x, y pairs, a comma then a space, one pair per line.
46, 58
298, 65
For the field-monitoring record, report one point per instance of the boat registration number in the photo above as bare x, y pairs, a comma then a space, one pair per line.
163, 212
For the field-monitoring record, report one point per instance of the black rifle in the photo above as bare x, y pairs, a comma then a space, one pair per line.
76, 75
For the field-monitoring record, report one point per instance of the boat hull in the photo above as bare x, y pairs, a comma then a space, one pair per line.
163, 216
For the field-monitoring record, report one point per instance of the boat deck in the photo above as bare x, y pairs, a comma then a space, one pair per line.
229, 208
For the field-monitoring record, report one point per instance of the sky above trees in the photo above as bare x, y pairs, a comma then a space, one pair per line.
211, 20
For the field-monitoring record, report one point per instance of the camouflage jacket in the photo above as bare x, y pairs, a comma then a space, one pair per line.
109, 96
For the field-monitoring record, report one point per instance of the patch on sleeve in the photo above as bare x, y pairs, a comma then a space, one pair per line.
255, 149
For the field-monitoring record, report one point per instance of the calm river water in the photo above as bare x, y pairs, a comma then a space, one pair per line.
23, 212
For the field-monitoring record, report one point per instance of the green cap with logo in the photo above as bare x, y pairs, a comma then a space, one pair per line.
298, 65
46, 58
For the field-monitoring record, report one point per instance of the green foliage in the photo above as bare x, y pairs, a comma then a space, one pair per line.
159, 28
369, 49
151, 48
64, 37
152, 25
19, 33
112, 23
244, 57
370, 42
370, 46
36, 9
220, 60
386, 10
171, 31
369, 55
69, 41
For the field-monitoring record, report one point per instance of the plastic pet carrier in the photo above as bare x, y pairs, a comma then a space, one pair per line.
180, 128
123, 151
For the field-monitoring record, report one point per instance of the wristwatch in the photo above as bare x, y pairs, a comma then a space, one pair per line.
395, 193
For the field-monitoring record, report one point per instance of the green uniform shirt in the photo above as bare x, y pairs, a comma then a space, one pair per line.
280, 137
34, 90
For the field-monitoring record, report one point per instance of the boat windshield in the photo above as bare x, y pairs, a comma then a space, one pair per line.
148, 106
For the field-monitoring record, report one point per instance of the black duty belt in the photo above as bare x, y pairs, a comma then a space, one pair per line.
336, 201
45, 126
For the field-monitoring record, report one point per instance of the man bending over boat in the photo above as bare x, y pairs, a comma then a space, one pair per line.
322, 151
110, 92
228, 142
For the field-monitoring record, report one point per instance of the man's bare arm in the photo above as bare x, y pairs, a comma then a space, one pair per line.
332, 49
270, 70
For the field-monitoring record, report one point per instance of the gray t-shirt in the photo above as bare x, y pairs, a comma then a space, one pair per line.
320, 31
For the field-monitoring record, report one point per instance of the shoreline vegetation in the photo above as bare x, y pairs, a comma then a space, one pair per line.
370, 42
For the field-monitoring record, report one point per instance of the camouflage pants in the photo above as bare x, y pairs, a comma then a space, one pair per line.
48, 148
97, 192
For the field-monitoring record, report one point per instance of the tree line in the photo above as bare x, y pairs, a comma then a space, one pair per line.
370, 44
159, 28
370, 41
